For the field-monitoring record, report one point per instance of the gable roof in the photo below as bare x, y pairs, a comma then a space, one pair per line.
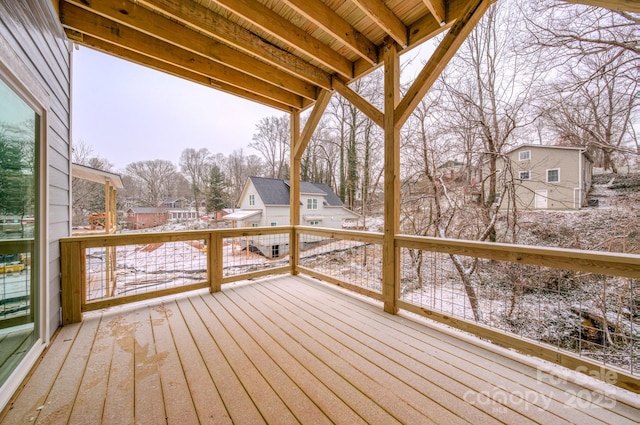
276, 191
148, 210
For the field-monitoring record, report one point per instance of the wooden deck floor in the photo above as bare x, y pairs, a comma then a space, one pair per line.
289, 350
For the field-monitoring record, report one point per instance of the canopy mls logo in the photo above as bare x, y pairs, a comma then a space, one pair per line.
575, 394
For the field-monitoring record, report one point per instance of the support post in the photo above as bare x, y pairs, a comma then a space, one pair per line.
391, 254
294, 193
215, 261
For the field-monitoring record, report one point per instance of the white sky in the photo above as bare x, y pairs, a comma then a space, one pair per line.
127, 113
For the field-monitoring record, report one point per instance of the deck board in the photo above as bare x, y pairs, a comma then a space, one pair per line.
291, 350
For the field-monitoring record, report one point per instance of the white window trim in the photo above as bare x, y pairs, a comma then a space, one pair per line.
547, 175
524, 159
20, 79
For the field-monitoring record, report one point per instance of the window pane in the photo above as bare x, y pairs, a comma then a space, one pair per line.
19, 302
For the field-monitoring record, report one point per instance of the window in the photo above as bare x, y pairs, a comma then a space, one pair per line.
275, 250
525, 175
525, 156
312, 204
553, 175
273, 224
314, 223
254, 224
20, 298
252, 199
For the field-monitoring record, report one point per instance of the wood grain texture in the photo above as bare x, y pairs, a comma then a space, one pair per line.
291, 350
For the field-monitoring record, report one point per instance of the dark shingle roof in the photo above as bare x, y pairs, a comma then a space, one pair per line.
276, 191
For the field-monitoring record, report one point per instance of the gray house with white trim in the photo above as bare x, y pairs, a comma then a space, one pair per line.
548, 177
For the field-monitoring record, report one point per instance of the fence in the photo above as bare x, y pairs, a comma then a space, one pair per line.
106, 270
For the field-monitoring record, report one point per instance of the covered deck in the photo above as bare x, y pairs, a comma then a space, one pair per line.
290, 349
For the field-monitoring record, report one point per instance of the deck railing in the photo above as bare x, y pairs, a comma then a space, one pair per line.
580, 309
106, 270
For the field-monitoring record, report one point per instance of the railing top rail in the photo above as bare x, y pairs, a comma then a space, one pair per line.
618, 264
186, 235
356, 235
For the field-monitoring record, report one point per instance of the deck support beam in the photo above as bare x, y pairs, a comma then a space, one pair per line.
391, 254
299, 142
294, 193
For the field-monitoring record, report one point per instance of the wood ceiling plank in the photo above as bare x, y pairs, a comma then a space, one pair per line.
118, 34
153, 24
150, 62
330, 22
289, 34
437, 9
441, 57
385, 19
358, 101
218, 27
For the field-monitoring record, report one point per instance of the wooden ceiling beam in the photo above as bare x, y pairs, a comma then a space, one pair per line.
219, 28
312, 123
135, 16
437, 9
151, 62
440, 58
385, 19
121, 35
282, 29
331, 23
373, 113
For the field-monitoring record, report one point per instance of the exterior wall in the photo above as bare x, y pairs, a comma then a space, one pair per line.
275, 214
138, 221
35, 56
565, 194
34, 49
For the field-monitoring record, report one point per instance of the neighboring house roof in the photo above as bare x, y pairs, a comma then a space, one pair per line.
451, 164
530, 146
97, 176
276, 191
242, 215
147, 210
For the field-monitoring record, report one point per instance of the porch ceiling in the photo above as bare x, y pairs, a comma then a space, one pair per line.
280, 53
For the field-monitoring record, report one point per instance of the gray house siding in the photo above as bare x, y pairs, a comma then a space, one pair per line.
40, 57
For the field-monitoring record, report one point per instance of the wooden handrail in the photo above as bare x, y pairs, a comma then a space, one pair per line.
610, 263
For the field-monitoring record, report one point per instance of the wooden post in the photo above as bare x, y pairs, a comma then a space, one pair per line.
72, 267
215, 261
390, 254
294, 194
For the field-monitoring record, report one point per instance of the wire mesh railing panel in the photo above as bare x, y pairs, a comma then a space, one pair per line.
139, 268
354, 262
248, 254
591, 315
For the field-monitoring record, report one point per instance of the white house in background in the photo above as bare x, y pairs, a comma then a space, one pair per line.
265, 202
548, 177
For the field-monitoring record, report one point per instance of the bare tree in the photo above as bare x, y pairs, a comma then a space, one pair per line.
591, 100
271, 139
156, 177
239, 167
87, 197
196, 166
